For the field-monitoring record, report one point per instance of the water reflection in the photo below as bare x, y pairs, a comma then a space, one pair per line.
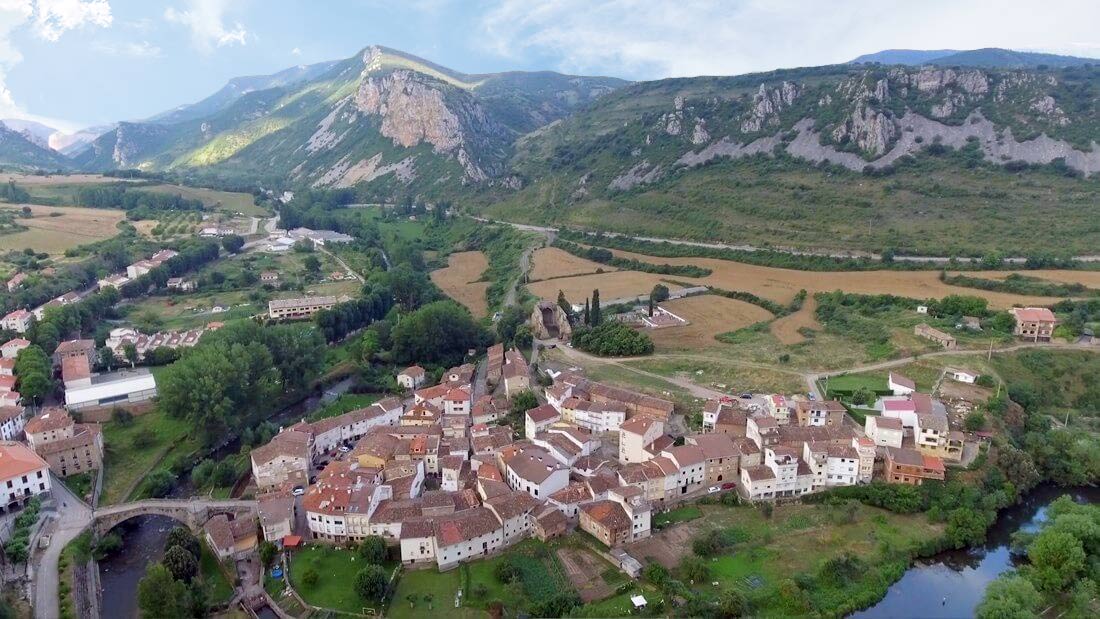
951, 584
143, 540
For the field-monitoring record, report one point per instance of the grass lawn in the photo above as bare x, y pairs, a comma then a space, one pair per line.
619, 605
213, 199
81, 484
336, 570
127, 464
344, 403
854, 382
218, 587
735, 377
541, 577
441, 586
680, 514
797, 539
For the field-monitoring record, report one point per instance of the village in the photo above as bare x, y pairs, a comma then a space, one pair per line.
447, 474
452, 472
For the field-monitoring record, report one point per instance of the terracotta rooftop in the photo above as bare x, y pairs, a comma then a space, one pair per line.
607, 513
51, 419
1033, 314
16, 459
542, 413
468, 525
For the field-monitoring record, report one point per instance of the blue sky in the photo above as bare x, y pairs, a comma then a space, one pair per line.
75, 63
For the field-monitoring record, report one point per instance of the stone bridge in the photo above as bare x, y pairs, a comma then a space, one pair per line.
192, 512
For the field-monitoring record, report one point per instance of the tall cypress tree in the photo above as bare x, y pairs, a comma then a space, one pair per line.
596, 307
587, 315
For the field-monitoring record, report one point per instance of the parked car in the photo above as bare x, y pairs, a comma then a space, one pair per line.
714, 489
344, 449
746, 396
298, 491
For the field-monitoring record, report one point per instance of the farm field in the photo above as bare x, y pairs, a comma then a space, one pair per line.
617, 285
725, 376
32, 180
708, 315
551, 262
766, 552
787, 329
1065, 276
213, 199
782, 284
459, 280
54, 234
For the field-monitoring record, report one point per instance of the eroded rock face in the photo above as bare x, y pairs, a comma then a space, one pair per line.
767, 104
412, 111
699, 135
932, 80
871, 130
131, 140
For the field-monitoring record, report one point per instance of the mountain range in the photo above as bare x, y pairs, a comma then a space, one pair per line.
394, 124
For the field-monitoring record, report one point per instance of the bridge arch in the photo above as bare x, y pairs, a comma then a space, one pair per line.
192, 513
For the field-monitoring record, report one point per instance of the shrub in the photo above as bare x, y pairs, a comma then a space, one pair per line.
612, 339
310, 577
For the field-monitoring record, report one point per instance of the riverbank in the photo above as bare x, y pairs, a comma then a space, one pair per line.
952, 583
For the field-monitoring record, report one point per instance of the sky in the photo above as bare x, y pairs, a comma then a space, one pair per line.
78, 63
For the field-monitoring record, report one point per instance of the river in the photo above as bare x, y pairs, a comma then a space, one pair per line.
951, 584
143, 537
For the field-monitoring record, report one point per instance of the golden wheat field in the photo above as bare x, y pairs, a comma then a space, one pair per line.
782, 284
708, 315
71, 227
459, 280
785, 329
551, 262
617, 285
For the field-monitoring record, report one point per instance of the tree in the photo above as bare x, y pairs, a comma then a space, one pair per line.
975, 421
523, 401
659, 293
129, 351
233, 243
183, 538
201, 474
1009, 597
268, 553
587, 312
162, 597
182, 564
143, 438
732, 603
505, 572
34, 370
370, 582
612, 339
863, 396
428, 597
312, 264
1057, 558
597, 316
655, 573
440, 332
565, 306
310, 577
373, 549
412, 600
524, 338
106, 358
511, 318
695, 569
159, 483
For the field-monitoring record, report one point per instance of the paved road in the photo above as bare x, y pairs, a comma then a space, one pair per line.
813, 378
341, 262
753, 248
73, 517
695, 389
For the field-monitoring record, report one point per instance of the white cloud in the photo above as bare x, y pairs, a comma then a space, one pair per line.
297, 51
54, 17
132, 49
48, 20
645, 39
206, 19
